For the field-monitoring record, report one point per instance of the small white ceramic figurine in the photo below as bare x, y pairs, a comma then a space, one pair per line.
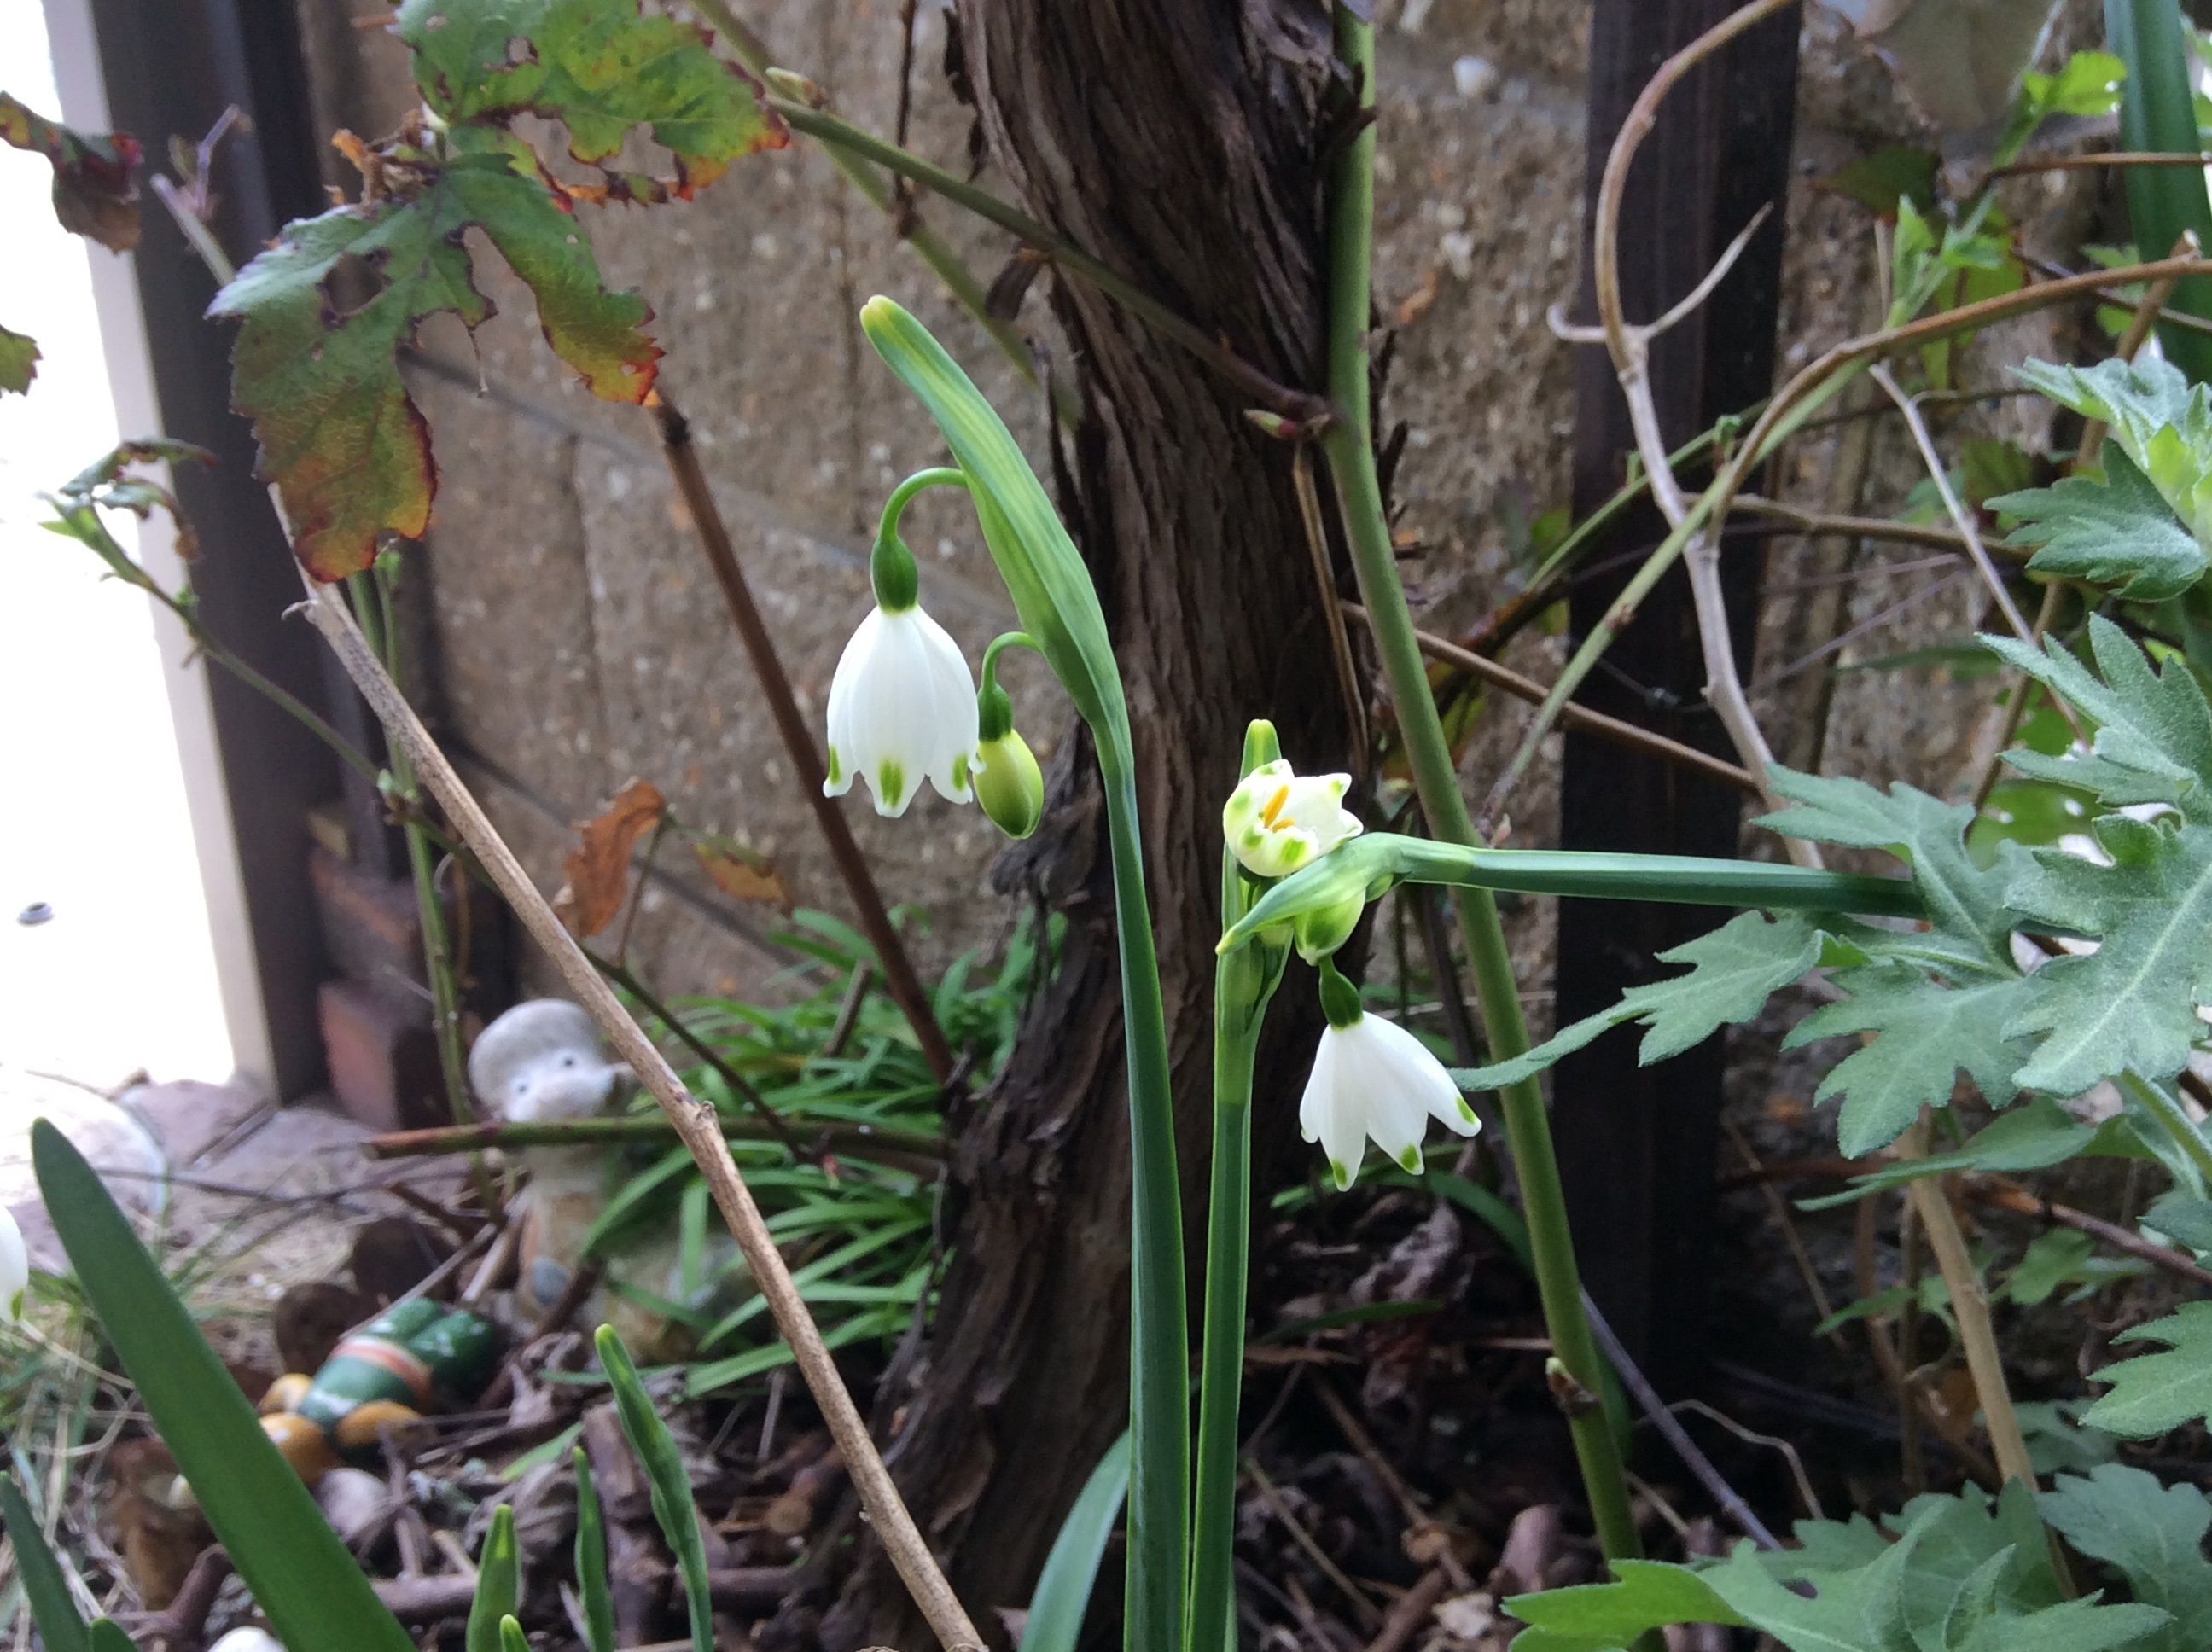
539, 1063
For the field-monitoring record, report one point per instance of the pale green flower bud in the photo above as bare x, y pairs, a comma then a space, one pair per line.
1322, 932
1009, 785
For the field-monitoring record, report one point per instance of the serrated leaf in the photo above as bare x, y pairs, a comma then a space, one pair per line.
1861, 1611
2154, 1534
602, 69
2154, 739
1965, 901
1734, 970
1598, 1616
2152, 1394
2132, 1003
2033, 1136
2112, 531
2157, 417
1956, 1538
94, 193
19, 360
2184, 1219
339, 434
1925, 1034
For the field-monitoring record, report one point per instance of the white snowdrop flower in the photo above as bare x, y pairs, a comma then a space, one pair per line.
1277, 820
248, 1639
15, 1268
901, 706
1373, 1080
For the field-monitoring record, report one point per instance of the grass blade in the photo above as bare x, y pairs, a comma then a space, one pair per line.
300, 1575
591, 1562
43, 1586
664, 1471
1063, 1590
106, 1635
499, 1583
510, 1637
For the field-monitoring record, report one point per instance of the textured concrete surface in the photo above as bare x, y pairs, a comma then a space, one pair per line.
573, 637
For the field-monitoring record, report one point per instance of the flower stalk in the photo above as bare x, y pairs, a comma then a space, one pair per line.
1348, 445
1244, 980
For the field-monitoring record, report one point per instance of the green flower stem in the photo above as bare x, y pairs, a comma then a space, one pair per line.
372, 602
2163, 1105
994, 706
1221, 1362
1382, 859
1159, 1359
842, 136
1348, 447
928, 245
1244, 982
2158, 112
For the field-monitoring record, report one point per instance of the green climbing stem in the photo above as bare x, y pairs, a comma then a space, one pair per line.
1348, 447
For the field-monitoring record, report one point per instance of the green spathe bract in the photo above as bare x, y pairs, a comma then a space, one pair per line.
1043, 571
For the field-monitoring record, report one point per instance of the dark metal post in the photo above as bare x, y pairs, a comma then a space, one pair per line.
1637, 1144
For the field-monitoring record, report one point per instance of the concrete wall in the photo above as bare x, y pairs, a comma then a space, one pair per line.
574, 638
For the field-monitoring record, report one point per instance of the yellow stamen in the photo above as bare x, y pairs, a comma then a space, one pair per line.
1274, 806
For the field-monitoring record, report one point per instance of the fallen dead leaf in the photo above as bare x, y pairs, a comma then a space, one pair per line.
599, 866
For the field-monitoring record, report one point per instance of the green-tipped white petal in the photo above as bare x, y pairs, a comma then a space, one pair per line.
901, 706
15, 1268
1374, 1081
1277, 820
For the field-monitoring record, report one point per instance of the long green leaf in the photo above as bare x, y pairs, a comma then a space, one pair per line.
106, 1635
511, 1637
1071, 1570
2159, 112
498, 1582
664, 1471
300, 1575
43, 1586
591, 1589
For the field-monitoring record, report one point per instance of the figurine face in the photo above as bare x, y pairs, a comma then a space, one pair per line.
541, 1060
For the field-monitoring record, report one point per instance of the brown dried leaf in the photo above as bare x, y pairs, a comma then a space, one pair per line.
599, 866
740, 872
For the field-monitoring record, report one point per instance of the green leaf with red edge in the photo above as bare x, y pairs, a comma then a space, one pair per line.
19, 360
339, 434
94, 194
602, 69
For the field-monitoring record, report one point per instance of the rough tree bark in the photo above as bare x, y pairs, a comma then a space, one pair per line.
1182, 143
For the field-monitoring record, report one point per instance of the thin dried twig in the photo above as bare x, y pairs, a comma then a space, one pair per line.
1576, 716
1629, 346
695, 1121
1332, 606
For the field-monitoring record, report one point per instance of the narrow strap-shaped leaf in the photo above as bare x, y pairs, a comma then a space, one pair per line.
511, 1637
499, 1583
591, 1562
300, 1576
106, 1635
1063, 1590
664, 1472
43, 1586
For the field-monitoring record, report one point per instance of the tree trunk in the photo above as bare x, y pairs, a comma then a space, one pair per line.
1182, 143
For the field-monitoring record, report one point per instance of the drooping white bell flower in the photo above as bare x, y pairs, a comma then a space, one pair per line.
1277, 820
15, 1269
1373, 1080
901, 706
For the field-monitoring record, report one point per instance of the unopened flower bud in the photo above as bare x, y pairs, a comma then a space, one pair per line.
1321, 931
1009, 785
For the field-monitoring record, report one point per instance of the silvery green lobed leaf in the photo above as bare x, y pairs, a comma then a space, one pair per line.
1925, 1034
2153, 1534
2154, 1393
1733, 972
1951, 1574
2158, 419
2132, 1003
2153, 734
2113, 531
